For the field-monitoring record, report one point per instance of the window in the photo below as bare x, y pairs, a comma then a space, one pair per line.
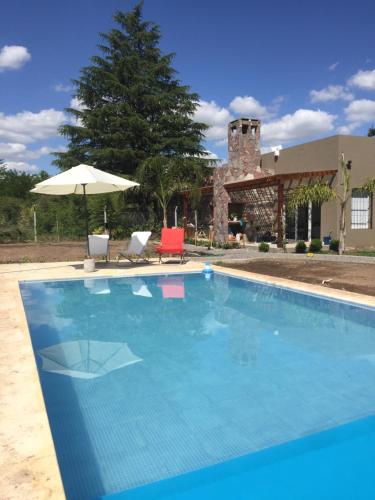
361, 209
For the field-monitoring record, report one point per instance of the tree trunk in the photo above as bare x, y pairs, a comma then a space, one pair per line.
165, 219
342, 228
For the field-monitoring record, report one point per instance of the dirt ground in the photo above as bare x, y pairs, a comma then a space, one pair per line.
351, 277
49, 252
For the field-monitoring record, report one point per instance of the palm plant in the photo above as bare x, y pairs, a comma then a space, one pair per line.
320, 192
163, 177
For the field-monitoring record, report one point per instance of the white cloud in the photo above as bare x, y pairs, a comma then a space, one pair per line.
27, 127
13, 57
18, 156
364, 79
302, 123
11, 149
77, 104
360, 111
19, 152
222, 142
331, 93
248, 106
60, 87
215, 117
333, 66
21, 166
347, 129
210, 155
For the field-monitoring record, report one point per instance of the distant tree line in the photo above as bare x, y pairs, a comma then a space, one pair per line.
62, 217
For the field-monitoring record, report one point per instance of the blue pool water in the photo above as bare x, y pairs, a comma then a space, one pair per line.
204, 387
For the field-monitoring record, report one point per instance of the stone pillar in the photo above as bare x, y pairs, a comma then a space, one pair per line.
220, 202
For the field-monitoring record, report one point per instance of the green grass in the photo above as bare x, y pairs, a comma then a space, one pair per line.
362, 253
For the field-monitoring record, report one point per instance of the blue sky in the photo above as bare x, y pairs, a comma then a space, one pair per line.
306, 69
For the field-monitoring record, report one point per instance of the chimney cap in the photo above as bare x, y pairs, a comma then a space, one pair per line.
255, 120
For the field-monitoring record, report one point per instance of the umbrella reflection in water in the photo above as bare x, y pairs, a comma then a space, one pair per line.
86, 359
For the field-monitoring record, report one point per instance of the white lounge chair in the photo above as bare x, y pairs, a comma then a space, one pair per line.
99, 245
135, 250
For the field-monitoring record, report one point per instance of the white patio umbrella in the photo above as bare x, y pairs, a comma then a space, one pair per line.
83, 179
86, 359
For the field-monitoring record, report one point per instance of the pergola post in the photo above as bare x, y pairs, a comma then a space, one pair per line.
280, 214
309, 221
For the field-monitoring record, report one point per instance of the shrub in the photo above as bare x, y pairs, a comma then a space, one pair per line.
334, 245
264, 247
226, 245
301, 247
315, 246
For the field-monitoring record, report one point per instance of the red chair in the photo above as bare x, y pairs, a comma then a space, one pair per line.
172, 242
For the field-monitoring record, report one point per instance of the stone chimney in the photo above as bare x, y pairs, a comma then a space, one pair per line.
244, 147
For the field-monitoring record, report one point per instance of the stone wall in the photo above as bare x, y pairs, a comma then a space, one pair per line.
243, 164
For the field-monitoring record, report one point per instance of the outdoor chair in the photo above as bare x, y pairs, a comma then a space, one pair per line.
99, 245
172, 242
135, 250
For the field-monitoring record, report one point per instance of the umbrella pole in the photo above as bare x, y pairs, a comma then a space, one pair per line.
87, 221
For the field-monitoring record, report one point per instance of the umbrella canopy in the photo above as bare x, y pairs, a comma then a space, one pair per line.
86, 359
83, 179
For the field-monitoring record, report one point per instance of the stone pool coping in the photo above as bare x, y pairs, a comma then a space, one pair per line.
27, 456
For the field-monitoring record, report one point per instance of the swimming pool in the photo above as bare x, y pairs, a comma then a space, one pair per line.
184, 381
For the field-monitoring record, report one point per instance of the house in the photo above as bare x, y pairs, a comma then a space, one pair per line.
255, 187
326, 154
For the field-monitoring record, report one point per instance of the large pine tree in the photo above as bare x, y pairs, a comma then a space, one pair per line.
132, 105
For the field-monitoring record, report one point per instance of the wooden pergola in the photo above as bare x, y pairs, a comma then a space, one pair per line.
278, 184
